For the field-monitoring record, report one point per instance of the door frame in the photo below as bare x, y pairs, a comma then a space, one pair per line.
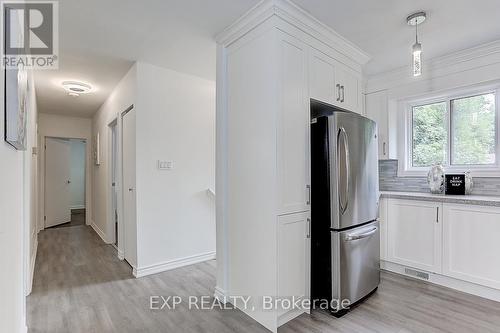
116, 124
43, 175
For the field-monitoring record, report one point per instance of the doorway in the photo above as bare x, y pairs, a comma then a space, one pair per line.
113, 128
129, 190
65, 179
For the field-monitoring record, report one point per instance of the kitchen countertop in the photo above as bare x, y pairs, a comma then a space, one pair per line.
480, 200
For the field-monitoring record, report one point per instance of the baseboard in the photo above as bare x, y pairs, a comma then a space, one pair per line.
221, 295
32, 267
446, 281
23, 328
77, 207
173, 264
98, 231
289, 315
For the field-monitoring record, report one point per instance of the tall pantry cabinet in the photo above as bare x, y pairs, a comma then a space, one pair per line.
271, 62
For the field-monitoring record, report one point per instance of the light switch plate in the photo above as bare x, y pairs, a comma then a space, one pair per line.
165, 165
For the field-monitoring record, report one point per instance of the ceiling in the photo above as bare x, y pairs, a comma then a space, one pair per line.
99, 40
380, 29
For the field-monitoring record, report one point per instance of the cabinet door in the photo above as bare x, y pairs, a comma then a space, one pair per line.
294, 248
414, 234
322, 78
293, 128
377, 110
383, 228
350, 88
471, 243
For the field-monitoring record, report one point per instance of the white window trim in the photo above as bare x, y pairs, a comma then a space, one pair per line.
405, 168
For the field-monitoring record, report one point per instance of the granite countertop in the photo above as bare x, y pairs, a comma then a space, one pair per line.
480, 200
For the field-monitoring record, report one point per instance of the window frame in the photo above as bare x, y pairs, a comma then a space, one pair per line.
406, 168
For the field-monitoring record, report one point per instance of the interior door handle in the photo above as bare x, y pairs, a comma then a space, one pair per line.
131, 189
351, 237
345, 194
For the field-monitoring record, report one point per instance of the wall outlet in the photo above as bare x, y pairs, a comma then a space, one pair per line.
165, 165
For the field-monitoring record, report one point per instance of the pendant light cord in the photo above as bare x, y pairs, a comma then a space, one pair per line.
416, 30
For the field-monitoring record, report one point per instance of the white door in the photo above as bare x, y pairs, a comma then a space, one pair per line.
114, 181
471, 243
294, 248
293, 128
414, 231
377, 110
57, 181
322, 78
350, 89
129, 192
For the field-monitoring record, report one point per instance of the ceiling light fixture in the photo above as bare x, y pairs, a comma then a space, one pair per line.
75, 88
414, 20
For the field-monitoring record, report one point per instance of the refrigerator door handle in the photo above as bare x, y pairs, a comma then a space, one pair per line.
343, 192
351, 237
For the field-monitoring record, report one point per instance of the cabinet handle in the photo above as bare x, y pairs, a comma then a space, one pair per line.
338, 92
308, 228
343, 94
308, 202
383, 149
437, 214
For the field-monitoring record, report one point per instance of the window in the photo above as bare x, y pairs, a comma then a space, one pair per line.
460, 132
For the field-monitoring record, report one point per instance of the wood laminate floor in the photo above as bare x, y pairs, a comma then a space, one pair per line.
81, 286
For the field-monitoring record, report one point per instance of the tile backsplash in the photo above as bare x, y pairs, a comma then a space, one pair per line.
389, 181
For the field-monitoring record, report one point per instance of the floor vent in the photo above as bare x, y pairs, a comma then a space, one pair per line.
418, 274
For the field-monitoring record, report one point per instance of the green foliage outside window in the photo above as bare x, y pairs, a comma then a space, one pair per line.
473, 121
429, 134
472, 126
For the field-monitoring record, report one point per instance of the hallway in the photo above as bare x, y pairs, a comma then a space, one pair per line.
81, 286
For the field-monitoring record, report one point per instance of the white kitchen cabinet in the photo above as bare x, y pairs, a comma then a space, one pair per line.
471, 243
376, 108
322, 83
349, 83
294, 248
293, 127
414, 231
333, 82
383, 228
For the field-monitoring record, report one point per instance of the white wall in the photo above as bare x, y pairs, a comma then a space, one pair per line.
122, 97
175, 116
77, 174
175, 122
51, 125
17, 202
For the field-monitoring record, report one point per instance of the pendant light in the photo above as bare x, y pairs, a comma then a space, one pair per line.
414, 20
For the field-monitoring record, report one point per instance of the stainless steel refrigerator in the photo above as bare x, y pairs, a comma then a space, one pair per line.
345, 235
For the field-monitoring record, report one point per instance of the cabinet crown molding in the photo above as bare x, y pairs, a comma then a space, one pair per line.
296, 16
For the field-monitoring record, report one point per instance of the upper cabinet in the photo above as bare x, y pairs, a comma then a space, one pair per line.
348, 82
334, 83
322, 80
376, 107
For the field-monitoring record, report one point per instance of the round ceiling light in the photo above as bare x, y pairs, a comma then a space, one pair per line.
75, 88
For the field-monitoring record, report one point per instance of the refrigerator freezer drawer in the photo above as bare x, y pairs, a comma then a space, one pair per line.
355, 262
